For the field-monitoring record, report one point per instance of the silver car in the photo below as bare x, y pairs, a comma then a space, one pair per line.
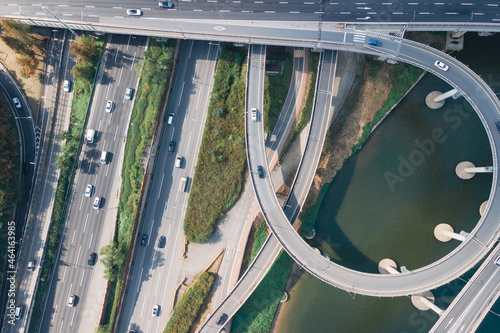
110, 106
97, 203
134, 12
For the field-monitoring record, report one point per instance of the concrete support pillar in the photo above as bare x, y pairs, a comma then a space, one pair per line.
445, 95
388, 266
457, 34
467, 170
425, 301
435, 99
444, 233
482, 208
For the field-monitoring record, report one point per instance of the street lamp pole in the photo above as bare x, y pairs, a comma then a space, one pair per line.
48, 11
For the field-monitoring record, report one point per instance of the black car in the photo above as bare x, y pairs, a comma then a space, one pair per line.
171, 147
222, 319
260, 170
144, 239
498, 126
92, 258
162, 241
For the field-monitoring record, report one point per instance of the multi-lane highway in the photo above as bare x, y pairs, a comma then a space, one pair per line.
88, 229
156, 271
108, 12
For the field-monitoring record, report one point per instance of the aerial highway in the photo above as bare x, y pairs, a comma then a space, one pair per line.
472, 304
88, 229
109, 12
157, 270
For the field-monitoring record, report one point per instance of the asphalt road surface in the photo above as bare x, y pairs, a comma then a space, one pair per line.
294, 10
156, 272
86, 227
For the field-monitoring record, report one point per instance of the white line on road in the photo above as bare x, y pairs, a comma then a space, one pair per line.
190, 50
120, 78
139, 280
78, 256
91, 237
182, 91
81, 203
157, 282
85, 225
62, 323
161, 185
81, 281
73, 238
116, 133
150, 231
64, 274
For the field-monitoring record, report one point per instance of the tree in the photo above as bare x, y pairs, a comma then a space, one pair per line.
83, 70
84, 48
29, 64
113, 261
17, 30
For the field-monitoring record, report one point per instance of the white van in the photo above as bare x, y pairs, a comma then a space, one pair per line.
104, 157
90, 135
184, 183
19, 312
170, 119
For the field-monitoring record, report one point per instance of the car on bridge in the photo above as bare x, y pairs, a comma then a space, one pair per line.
92, 259
497, 261
134, 12
17, 103
441, 65
110, 106
97, 203
72, 301
165, 4
497, 124
222, 319
31, 265
89, 190
374, 42
156, 309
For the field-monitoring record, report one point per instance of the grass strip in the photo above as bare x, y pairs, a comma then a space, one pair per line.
276, 86
155, 71
82, 94
221, 165
188, 309
257, 314
403, 77
305, 114
256, 238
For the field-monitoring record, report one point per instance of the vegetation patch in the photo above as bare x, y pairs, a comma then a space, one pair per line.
189, 307
221, 165
256, 238
66, 162
305, 114
257, 314
276, 85
10, 188
155, 71
403, 77
308, 218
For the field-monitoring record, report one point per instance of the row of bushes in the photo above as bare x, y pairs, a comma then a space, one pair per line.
154, 70
189, 307
66, 162
221, 165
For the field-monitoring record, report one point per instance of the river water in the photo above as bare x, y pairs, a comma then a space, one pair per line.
386, 201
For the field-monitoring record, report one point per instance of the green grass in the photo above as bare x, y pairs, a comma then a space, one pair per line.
404, 76
308, 218
83, 90
148, 101
258, 312
276, 87
305, 115
189, 307
221, 165
256, 238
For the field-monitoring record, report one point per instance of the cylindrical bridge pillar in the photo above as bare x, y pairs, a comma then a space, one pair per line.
467, 170
425, 301
444, 232
388, 266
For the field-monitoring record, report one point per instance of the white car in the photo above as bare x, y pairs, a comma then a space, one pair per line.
97, 203
89, 190
155, 310
134, 12
178, 161
31, 265
128, 93
71, 301
497, 261
67, 85
17, 103
110, 106
441, 65
254, 114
